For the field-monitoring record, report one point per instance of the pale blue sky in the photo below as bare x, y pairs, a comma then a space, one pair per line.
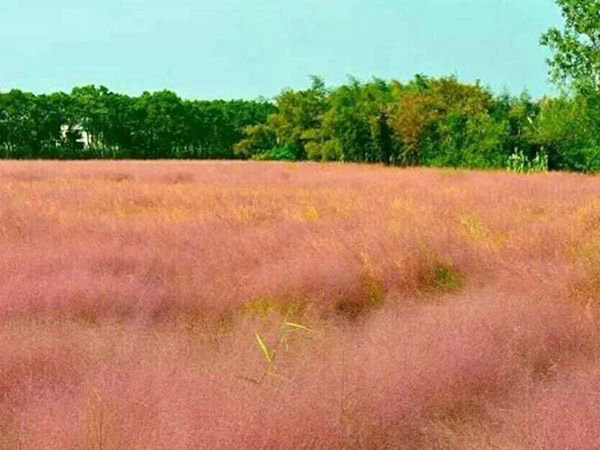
248, 48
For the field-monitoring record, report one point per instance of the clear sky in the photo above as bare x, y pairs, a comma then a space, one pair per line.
247, 48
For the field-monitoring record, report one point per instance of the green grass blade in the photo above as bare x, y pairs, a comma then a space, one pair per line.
297, 326
264, 348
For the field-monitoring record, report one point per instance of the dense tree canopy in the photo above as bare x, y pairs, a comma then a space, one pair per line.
426, 121
153, 125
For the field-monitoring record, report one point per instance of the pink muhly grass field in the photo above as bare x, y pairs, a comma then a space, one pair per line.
399, 308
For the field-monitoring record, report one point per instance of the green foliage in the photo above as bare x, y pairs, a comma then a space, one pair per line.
297, 121
438, 122
284, 153
153, 125
446, 278
570, 125
472, 142
576, 49
330, 150
259, 138
355, 128
519, 163
444, 123
568, 128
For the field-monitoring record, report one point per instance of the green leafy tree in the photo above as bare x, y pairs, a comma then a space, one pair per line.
576, 49
259, 139
298, 120
568, 127
355, 127
91, 107
443, 122
218, 129
28, 125
567, 131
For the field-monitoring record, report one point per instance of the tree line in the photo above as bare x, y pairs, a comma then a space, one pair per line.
94, 123
426, 121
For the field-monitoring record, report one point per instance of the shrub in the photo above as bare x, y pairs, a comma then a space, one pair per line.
519, 163
285, 153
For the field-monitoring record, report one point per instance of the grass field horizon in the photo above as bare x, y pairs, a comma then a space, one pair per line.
179, 304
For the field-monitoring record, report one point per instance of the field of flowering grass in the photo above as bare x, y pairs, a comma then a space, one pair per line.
186, 305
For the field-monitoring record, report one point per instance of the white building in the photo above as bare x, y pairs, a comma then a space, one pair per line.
85, 138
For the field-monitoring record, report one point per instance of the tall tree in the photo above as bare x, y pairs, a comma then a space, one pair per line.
576, 49
299, 118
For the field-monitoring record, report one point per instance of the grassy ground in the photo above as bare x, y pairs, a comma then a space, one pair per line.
193, 305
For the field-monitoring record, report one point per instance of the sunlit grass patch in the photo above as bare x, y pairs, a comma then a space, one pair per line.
480, 234
311, 213
265, 306
402, 205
